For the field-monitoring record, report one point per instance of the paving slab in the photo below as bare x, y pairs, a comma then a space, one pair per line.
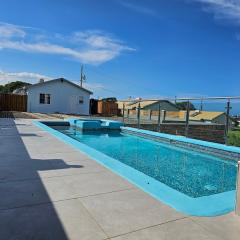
61, 221
8, 130
62, 168
14, 158
29, 192
11, 144
225, 226
37, 138
122, 212
183, 229
95, 183
46, 148
18, 172
21, 166
73, 156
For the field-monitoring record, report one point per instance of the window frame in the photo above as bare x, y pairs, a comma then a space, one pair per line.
44, 98
81, 100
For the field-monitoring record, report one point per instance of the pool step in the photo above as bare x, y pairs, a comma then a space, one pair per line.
87, 124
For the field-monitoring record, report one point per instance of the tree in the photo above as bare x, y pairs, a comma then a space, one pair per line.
10, 87
183, 106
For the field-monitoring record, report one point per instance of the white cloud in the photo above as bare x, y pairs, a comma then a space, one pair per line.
100, 40
92, 47
9, 31
5, 77
223, 9
29, 77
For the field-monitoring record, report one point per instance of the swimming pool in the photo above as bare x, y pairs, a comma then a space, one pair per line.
190, 181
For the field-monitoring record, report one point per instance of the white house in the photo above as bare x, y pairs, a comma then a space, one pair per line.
58, 96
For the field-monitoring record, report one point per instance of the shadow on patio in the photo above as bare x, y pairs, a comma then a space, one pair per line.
26, 203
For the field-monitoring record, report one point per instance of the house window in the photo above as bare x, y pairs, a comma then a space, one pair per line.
44, 98
80, 99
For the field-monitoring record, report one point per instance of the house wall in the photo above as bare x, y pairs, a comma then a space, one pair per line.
220, 119
64, 99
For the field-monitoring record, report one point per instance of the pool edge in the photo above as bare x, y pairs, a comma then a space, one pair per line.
159, 191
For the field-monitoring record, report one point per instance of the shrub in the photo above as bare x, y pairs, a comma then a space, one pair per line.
234, 138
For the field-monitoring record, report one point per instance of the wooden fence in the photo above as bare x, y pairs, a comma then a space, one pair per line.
13, 102
107, 108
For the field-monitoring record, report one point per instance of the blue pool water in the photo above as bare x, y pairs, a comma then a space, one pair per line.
192, 173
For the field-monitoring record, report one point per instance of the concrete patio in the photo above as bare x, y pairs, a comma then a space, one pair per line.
49, 190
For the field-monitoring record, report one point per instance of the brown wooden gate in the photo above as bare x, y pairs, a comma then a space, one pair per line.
13, 102
106, 108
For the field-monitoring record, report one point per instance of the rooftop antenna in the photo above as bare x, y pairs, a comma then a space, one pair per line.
83, 76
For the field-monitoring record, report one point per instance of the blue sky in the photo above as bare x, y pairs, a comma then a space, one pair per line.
147, 48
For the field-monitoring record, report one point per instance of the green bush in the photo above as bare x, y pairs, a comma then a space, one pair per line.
234, 138
10, 87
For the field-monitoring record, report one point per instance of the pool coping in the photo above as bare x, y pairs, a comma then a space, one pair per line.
212, 205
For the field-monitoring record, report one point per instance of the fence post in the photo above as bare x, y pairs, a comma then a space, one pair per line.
164, 115
237, 203
187, 119
227, 120
150, 115
159, 117
138, 115
201, 105
123, 111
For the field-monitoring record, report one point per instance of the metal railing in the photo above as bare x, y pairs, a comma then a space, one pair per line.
187, 119
160, 118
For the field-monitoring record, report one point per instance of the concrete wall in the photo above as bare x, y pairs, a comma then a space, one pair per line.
212, 133
64, 99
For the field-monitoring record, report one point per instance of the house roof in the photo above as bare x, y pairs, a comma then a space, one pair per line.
143, 104
204, 115
59, 80
127, 104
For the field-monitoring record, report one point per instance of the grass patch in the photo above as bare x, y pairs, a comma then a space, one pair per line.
234, 138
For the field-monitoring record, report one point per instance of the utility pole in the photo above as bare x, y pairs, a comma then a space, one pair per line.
82, 77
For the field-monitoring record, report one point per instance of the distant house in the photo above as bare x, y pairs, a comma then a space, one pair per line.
148, 105
58, 96
211, 117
